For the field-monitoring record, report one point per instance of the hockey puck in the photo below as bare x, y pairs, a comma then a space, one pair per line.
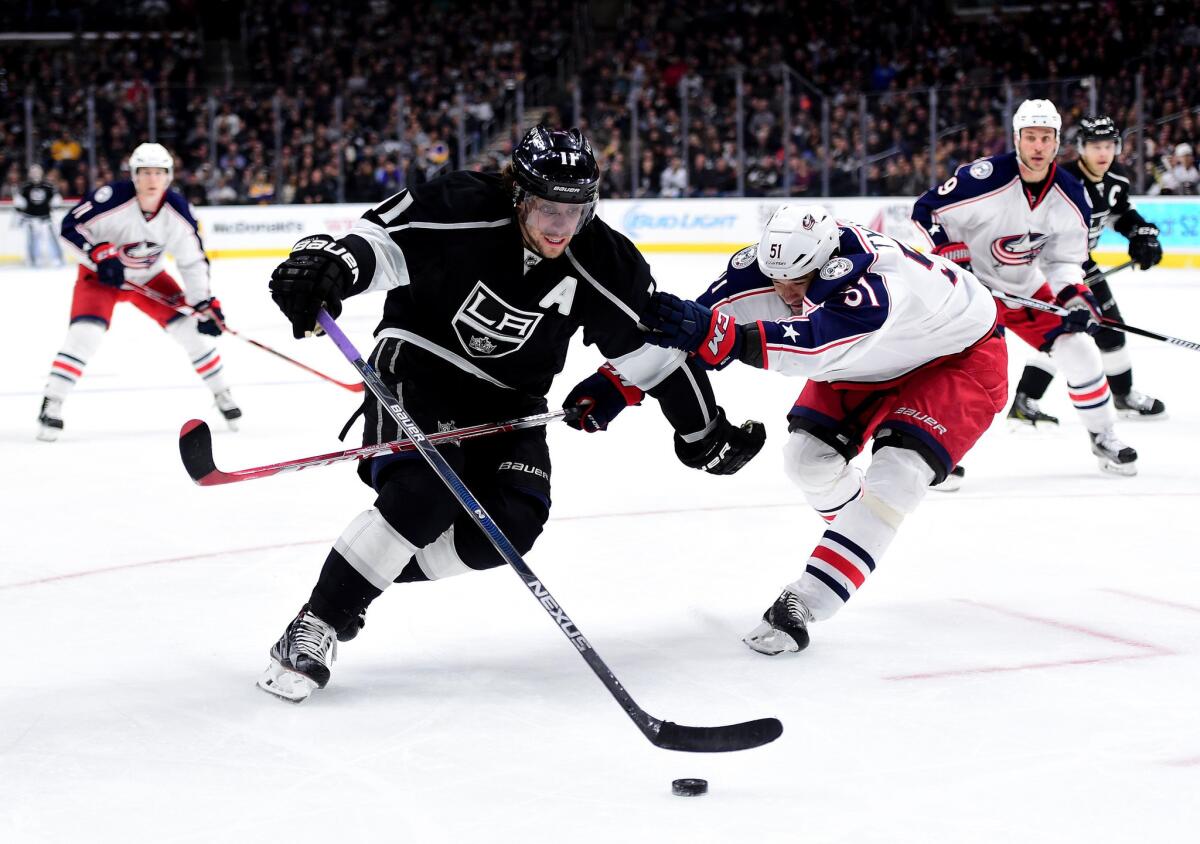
689, 787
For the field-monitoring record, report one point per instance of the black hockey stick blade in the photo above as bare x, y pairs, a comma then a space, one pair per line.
725, 739
195, 448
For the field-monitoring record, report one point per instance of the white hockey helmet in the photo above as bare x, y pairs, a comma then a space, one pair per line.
151, 155
36, 173
1036, 113
796, 240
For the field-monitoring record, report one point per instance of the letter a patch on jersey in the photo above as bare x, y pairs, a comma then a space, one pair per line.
489, 327
562, 296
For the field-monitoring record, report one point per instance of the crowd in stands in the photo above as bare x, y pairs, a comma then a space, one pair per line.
352, 100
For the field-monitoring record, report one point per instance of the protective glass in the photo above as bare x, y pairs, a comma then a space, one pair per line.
556, 219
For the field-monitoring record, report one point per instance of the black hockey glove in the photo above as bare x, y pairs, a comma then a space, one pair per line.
319, 273
1144, 248
211, 319
599, 398
725, 449
109, 269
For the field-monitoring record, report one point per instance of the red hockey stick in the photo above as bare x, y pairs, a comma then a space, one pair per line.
187, 310
195, 448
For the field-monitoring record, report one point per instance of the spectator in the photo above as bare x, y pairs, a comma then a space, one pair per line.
673, 181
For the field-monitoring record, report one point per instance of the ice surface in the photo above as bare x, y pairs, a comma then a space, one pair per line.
1022, 667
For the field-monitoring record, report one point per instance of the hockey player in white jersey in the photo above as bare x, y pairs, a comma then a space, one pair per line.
122, 231
1020, 223
899, 348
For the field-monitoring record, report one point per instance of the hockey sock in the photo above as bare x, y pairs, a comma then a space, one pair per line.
201, 351
341, 593
896, 481
1118, 365
1079, 360
1036, 378
843, 559
83, 339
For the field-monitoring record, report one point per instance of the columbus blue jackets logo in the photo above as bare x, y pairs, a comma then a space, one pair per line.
489, 327
981, 169
1016, 249
836, 268
744, 258
140, 255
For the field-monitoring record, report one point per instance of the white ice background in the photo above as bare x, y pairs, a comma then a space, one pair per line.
1021, 667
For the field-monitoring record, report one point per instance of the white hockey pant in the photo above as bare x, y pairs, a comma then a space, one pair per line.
850, 548
1079, 359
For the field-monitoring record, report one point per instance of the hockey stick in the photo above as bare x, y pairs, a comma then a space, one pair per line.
195, 448
1094, 278
188, 310
1050, 308
664, 734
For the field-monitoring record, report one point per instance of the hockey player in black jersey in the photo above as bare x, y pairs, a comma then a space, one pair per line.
487, 278
1107, 183
33, 202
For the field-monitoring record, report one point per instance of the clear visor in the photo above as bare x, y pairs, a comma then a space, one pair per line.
556, 219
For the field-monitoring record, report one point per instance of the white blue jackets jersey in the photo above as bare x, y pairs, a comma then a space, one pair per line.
1017, 244
110, 214
876, 311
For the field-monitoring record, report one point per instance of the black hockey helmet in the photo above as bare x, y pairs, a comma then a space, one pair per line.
1099, 127
555, 164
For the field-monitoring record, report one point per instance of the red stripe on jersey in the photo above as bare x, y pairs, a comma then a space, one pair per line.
58, 364
216, 361
828, 555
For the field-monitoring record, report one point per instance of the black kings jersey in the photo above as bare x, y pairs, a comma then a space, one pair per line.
1110, 202
35, 198
479, 313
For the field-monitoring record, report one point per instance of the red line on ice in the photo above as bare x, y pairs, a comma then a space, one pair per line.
1149, 650
1148, 599
145, 563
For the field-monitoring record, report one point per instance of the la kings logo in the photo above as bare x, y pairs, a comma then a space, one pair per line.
489, 327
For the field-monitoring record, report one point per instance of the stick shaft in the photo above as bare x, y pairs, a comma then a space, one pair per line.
189, 311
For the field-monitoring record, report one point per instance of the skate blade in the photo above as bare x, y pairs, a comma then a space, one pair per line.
1134, 416
48, 435
1020, 426
953, 483
233, 424
1121, 470
765, 639
285, 684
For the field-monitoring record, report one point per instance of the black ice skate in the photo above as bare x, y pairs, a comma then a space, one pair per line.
228, 408
784, 627
50, 423
1135, 405
1025, 411
351, 630
952, 482
300, 659
1114, 456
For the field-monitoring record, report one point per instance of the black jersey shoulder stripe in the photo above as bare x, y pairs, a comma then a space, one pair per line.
393, 206
604, 291
471, 224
